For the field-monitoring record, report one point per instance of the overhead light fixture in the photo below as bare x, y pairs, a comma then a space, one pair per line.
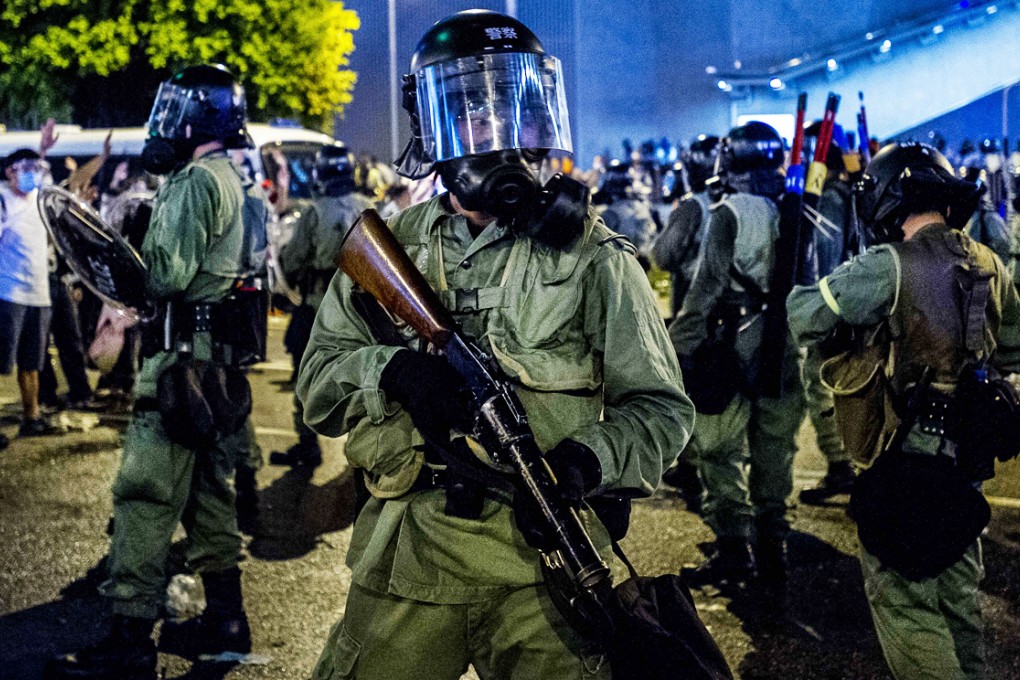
869, 36
711, 70
777, 84
991, 9
737, 64
831, 65
938, 29
724, 86
885, 47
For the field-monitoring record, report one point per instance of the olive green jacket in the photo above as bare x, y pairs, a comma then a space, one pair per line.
194, 244
316, 238
865, 291
579, 334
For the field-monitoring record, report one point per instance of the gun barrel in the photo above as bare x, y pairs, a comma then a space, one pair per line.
372, 257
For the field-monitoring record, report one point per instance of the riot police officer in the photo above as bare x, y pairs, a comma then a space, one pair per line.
938, 303
625, 208
986, 225
744, 433
308, 259
443, 575
676, 249
198, 253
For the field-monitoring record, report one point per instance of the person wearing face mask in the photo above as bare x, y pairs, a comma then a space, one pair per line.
445, 573
24, 284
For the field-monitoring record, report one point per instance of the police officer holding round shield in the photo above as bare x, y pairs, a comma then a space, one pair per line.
443, 575
197, 251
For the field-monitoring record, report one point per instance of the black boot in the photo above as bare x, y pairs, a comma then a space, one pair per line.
732, 565
222, 627
684, 477
838, 480
247, 500
127, 653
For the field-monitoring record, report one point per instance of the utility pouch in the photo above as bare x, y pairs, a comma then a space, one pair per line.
714, 373
917, 513
865, 417
241, 323
989, 421
200, 401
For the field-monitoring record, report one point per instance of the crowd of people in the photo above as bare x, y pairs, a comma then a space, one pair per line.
904, 296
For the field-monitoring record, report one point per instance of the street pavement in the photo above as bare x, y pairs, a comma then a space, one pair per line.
55, 505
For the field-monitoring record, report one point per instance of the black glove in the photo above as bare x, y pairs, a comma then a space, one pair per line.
431, 391
577, 471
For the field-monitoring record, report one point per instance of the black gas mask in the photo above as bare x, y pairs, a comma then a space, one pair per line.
505, 185
162, 156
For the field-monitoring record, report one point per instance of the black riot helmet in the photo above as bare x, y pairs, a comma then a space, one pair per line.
487, 103
748, 161
750, 147
616, 184
988, 145
481, 84
699, 160
200, 104
907, 178
333, 171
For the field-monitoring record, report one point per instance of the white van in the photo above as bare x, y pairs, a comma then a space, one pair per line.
273, 144
297, 145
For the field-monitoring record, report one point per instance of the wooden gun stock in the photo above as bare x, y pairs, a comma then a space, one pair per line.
372, 257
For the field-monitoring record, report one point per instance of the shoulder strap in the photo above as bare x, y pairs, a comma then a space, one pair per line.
3, 210
976, 303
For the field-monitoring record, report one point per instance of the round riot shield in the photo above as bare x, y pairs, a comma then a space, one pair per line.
101, 257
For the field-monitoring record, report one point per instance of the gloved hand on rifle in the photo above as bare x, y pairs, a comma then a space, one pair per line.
431, 391
578, 473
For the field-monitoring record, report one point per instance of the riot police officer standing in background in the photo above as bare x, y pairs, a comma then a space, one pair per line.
928, 306
443, 572
744, 433
197, 252
308, 259
677, 248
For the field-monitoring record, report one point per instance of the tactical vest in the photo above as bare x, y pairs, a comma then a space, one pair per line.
757, 230
940, 318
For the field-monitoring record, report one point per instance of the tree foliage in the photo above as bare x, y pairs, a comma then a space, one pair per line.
105, 56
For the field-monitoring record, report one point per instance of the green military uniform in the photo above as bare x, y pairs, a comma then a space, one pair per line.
194, 246
309, 257
579, 333
677, 249
745, 454
930, 628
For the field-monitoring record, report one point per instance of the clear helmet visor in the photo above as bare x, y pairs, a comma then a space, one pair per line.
170, 110
479, 104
